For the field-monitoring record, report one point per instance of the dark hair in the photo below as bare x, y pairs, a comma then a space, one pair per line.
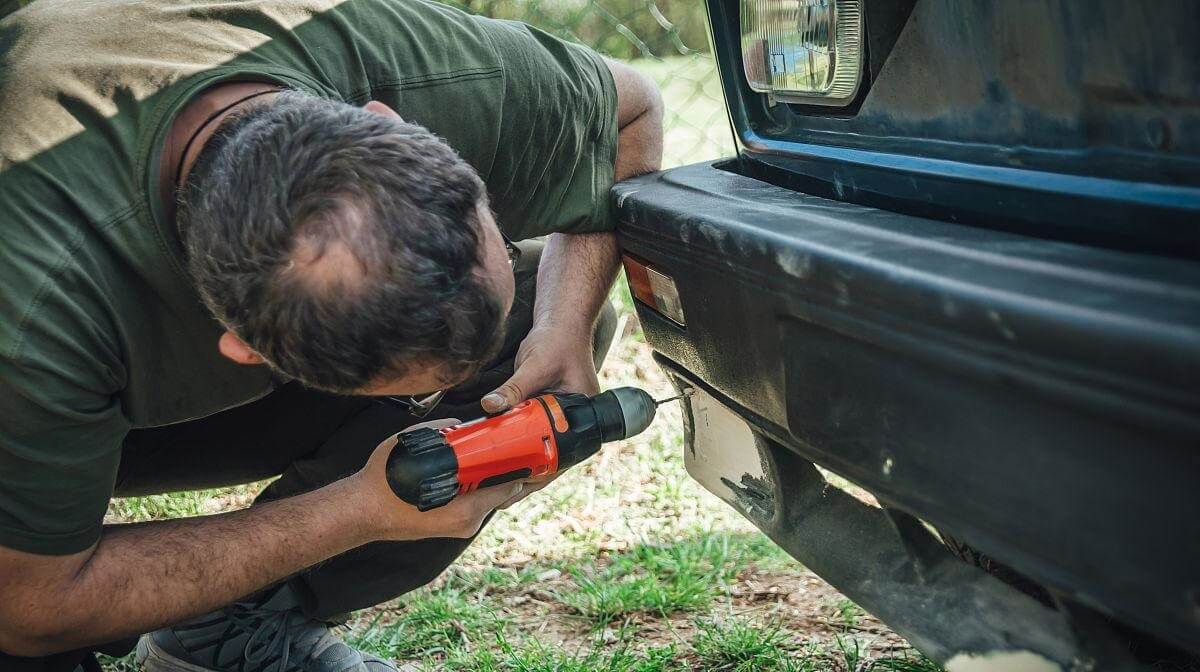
340, 244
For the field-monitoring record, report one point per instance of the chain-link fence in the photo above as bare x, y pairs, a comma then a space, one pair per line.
666, 39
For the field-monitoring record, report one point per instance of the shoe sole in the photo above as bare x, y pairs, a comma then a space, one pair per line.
153, 659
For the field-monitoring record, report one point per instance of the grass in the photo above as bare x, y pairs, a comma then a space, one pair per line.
849, 613
732, 643
652, 580
435, 624
534, 656
183, 504
741, 645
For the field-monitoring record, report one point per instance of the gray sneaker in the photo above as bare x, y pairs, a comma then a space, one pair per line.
264, 633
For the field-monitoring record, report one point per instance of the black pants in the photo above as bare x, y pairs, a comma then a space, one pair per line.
311, 439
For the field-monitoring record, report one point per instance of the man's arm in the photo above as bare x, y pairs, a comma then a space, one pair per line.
145, 576
577, 270
640, 120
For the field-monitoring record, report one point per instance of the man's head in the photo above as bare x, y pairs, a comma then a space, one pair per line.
345, 248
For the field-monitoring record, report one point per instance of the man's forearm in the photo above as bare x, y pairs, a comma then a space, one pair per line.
574, 277
577, 270
144, 576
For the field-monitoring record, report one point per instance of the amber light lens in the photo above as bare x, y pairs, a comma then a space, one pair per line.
653, 288
803, 51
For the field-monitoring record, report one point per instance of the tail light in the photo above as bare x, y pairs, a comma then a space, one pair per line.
654, 288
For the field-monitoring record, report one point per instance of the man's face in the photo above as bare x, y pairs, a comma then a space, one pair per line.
497, 272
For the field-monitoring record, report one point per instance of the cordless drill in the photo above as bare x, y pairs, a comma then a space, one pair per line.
537, 437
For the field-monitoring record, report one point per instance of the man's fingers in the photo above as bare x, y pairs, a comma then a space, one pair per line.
532, 485
504, 397
521, 494
499, 496
463, 517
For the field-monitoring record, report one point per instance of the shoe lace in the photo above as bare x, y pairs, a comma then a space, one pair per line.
274, 634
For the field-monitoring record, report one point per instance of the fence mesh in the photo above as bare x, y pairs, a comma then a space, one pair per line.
666, 39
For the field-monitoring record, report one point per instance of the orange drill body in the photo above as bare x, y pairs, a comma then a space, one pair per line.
520, 441
537, 437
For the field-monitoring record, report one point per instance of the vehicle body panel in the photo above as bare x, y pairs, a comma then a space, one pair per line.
974, 292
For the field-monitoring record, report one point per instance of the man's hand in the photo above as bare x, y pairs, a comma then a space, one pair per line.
574, 277
549, 360
401, 521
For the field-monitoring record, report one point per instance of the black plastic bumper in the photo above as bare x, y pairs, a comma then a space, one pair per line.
1039, 399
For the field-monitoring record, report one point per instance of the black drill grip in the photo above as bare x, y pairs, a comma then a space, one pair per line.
422, 469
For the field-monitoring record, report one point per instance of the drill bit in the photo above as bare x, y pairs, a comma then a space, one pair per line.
685, 393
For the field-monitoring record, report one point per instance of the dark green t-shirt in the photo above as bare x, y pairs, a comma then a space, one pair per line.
100, 330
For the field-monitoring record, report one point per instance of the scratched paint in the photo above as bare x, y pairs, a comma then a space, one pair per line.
724, 458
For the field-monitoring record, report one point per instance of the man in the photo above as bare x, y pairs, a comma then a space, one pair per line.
238, 243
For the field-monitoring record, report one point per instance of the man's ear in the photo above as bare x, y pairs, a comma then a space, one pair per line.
236, 349
380, 108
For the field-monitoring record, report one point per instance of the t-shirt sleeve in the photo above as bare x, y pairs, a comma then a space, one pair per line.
558, 134
60, 446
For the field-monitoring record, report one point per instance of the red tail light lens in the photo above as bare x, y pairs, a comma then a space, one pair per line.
653, 288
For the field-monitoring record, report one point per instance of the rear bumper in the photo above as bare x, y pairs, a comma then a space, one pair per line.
1040, 400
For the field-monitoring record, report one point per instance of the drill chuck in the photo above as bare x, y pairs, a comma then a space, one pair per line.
634, 406
538, 437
